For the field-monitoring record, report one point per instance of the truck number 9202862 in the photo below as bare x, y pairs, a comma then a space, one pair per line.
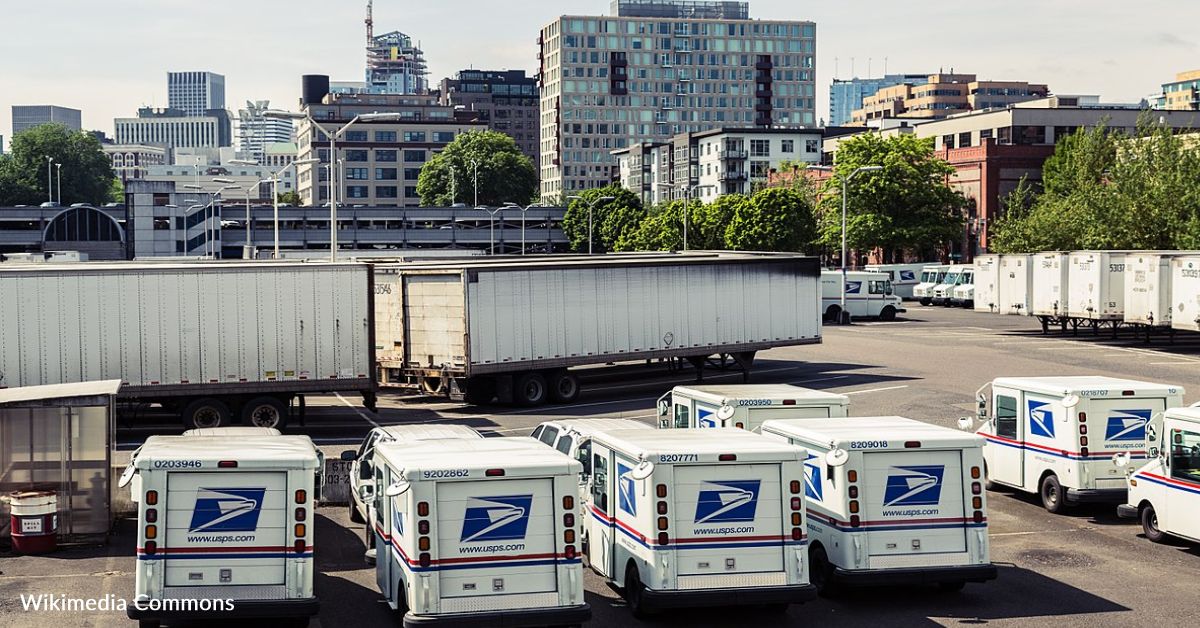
445, 473
868, 444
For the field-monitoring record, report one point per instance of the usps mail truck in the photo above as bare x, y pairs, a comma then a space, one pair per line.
868, 295
986, 292
891, 501
957, 275
573, 437
479, 532
931, 276
1164, 494
224, 527
1016, 281
963, 294
1096, 285
1050, 285
1055, 436
904, 277
745, 406
697, 518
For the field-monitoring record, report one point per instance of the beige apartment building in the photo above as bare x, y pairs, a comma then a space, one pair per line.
654, 69
1181, 94
944, 95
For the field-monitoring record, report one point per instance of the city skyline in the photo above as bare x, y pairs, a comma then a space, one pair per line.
1074, 46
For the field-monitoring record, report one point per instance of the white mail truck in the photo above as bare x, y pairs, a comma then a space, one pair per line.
931, 276
225, 527
745, 406
573, 437
958, 275
867, 295
479, 532
1164, 494
692, 517
904, 277
891, 501
1055, 436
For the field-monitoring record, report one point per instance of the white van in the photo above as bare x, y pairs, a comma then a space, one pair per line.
985, 293
958, 275
1055, 436
891, 501
1164, 494
904, 277
931, 276
868, 295
362, 475
1016, 284
692, 517
479, 532
224, 527
745, 406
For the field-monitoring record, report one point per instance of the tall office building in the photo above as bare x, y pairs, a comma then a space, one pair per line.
655, 69
172, 129
255, 132
194, 93
395, 65
846, 95
25, 116
506, 99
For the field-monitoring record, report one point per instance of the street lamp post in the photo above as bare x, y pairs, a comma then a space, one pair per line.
591, 206
475, 186
453, 190
492, 227
58, 171
687, 208
49, 180
209, 231
844, 316
333, 138
245, 247
523, 210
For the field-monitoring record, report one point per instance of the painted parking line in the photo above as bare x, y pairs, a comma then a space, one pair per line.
871, 390
1171, 363
356, 410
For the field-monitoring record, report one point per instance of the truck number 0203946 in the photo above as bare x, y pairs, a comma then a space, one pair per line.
176, 464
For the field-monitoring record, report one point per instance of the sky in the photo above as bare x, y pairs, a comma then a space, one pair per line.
109, 57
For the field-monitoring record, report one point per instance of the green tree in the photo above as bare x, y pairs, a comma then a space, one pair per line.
660, 230
709, 222
905, 207
774, 219
290, 198
613, 221
86, 171
505, 174
116, 191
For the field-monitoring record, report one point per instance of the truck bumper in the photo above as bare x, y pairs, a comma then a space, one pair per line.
241, 609
1095, 495
963, 573
793, 594
1126, 511
522, 618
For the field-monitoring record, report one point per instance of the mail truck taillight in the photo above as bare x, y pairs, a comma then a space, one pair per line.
660, 490
301, 529
425, 560
301, 514
494, 473
796, 503
789, 402
569, 520
662, 523
1127, 393
978, 517
796, 517
852, 475
727, 457
423, 544
663, 539
423, 509
1082, 429
853, 506
794, 486
568, 502
912, 444
151, 548
1083, 417
151, 498
975, 472
151, 532
662, 508
855, 521
976, 488
227, 464
569, 552
797, 534
853, 491
299, 546
151, 515
569, 536
977, 502
423, 527
301, 496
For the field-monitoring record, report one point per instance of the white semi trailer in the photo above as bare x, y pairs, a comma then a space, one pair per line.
213, 341
511, 327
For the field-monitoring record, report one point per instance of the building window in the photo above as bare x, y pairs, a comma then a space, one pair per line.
948, 141
385, 191
443, 137
759, 169
356, 155
964, 140
414, 136
356, 174
412, 174
411, 191
810, 146
787, 146
385, 174
385, 155
385, 136
356, 191
760, 148
356, 136
416, 156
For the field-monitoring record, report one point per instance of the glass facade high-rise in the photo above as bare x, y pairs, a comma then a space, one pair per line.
610, 82
25, 116
195, 92
846, 95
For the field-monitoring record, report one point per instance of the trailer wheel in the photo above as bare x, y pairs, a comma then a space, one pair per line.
530, 390
888, 313
1052, 494
480, 390
1150, 525
564, 386
206, 412
265, 412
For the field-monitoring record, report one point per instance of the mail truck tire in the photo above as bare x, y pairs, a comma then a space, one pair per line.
633, 593
1150, 525
833, 314
355, 517
149, 623
206, 412
265, 412
820, 571
888, 313
1053, 497
531, 390
926, 300
564, 386
988, 484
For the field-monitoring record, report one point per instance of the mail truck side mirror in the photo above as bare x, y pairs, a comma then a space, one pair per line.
349, 455
965, 424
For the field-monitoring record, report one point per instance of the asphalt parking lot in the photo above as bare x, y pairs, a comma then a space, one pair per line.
1088, 568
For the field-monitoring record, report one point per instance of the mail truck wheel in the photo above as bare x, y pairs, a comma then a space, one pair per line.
833, 314
988, 484
148, 623
820, 571
206, 412
888, 313
354, 515
926, 300
1053, 497
1150, 525
265, 412
633, 593
531, 390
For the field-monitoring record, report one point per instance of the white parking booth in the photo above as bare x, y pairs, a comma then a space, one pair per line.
56, 438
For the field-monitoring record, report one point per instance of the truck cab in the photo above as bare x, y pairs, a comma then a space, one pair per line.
573, 437
963, 294
955, 276
745, 406
931, 276
1164, 494
891, 501
867, 295
1055, 436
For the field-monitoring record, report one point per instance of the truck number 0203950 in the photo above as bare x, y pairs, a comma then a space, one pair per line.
754, 402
